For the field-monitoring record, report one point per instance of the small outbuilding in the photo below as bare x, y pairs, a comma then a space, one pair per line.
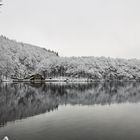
36, 77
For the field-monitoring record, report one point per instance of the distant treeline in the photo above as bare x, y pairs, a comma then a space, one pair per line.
96, 68
21, 60
51, 51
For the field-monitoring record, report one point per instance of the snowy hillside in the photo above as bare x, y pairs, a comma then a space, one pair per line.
20, 60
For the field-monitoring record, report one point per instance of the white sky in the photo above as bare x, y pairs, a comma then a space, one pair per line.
75, 27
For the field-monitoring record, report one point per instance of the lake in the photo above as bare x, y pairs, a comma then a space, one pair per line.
70, 111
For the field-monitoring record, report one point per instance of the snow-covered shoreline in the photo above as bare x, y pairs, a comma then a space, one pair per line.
55, 80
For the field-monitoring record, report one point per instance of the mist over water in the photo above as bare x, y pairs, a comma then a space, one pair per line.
71, 111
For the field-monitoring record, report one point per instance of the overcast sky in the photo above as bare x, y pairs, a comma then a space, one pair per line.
75, 27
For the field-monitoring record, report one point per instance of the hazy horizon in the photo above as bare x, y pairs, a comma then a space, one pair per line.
75, 28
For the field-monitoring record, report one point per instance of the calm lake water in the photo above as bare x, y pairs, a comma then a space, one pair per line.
86, 111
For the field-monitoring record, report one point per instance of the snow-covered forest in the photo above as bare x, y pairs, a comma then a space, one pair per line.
21, 60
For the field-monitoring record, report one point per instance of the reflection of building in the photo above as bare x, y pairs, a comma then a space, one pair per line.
37, 77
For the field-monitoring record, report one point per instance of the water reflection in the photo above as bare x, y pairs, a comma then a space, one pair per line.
20, 100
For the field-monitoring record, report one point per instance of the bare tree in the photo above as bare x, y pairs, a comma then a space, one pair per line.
1, 3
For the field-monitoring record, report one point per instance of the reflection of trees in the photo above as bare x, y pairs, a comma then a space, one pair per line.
18, 101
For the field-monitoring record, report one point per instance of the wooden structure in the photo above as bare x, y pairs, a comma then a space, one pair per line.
36, 77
